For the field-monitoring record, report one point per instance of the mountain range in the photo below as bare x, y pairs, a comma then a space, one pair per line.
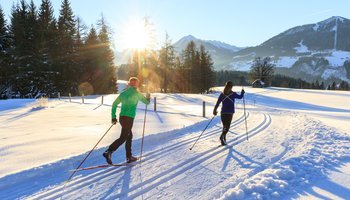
319, 51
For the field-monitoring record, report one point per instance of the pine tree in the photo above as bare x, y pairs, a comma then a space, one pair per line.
333, 87
67, 53
167, 63
37, 81
48, 49
206, 70
48, 36
21, 47
344, 85
5, 70
80, 49
317, 84
107, 82
189, 60
90, 62
322, 86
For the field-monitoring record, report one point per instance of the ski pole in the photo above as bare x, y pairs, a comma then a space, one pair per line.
143, 133
245, 117
70, 177
202, 132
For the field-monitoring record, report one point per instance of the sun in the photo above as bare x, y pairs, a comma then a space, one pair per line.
137, 35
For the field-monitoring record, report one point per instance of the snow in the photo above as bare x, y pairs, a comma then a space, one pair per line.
286, 61
298, 148
301, 48
294, 30
335, 72
121, 85
223, 45
316, 26
337, 58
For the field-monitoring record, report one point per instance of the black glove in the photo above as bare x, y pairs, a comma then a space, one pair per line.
148, 97
114, 120
215, 112
242, 92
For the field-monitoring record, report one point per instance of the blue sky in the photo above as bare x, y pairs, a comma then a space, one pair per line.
237, 22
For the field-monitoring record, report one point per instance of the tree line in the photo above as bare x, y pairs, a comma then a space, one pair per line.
42, 55
190, 71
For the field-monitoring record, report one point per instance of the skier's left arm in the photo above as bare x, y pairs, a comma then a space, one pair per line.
146, 100
239, 96
114, 107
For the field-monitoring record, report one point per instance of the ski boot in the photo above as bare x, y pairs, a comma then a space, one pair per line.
108, 154
222, 139
131, 159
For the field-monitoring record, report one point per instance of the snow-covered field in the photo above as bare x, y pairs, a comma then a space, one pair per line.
298, 148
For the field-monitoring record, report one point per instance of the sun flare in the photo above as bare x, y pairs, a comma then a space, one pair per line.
137, 35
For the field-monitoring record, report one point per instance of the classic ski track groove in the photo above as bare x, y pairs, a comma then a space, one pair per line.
168, 174
111, 170
213, 156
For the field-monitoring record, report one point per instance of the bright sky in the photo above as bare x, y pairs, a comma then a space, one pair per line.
237, 22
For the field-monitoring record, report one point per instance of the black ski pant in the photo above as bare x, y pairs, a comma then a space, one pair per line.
125, 136
226, 120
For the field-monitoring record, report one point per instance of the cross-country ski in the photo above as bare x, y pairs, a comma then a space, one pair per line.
105, 166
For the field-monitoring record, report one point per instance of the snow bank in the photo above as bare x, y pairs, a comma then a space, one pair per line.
326, 151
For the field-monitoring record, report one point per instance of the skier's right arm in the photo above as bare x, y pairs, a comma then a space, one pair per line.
215, 112
114, 110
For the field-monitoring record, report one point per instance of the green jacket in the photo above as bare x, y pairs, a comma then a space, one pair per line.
129, 99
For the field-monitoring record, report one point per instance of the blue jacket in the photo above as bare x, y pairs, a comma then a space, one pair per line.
228, 102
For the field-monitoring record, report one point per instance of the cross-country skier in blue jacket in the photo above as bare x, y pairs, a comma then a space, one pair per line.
227, 98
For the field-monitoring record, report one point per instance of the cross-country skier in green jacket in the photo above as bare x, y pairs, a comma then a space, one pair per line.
129, 99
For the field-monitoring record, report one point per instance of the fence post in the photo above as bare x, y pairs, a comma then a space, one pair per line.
59, 96
102, 100
70, 97
155, 104
82, 98
203, 108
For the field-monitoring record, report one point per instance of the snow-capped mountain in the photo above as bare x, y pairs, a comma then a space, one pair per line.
182, 43
312, 51
220, 52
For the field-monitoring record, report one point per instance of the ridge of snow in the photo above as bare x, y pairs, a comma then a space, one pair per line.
218, 44
295, 30
223, 45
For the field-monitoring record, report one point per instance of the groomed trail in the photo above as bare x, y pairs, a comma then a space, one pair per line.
287, 151
170, 170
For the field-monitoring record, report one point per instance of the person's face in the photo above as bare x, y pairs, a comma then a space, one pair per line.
134, 83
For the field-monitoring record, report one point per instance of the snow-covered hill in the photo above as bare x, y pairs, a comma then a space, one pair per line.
313, 51
298, 147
